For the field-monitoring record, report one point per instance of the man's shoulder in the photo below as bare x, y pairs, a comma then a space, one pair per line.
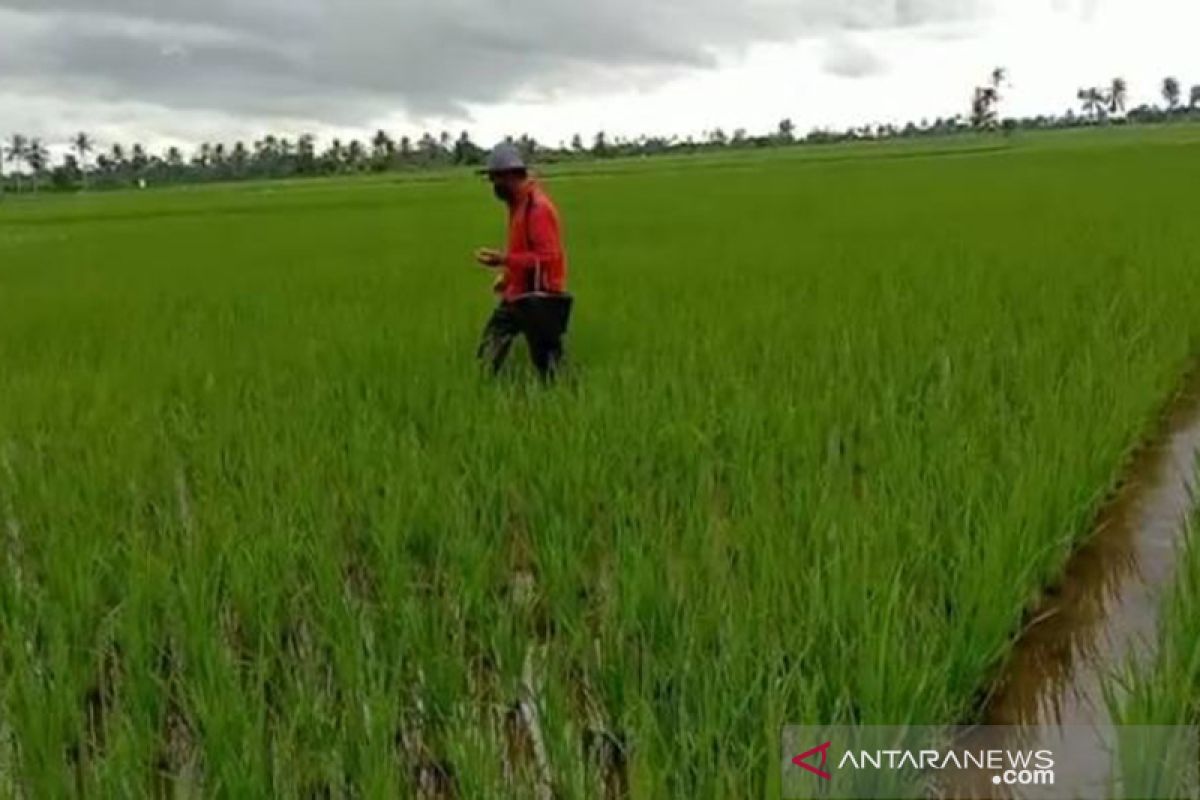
541, 199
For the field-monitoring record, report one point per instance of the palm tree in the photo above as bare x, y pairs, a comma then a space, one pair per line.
427, 146
986, 103
69, 170
217, 167
1118, 94
786, 131
138, 157
983, 106
239, 157
174, 157
527, 145
382, 148
266, 155
37, 157
1093, 101
306, 153
466, 151
82, 144
1171, 92
355, 155
204, 155
334, 155
14, 153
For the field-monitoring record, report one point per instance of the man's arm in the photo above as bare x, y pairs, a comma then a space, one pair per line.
489, 257
544, 238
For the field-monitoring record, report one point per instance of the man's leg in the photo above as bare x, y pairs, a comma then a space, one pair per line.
546, 350
546, 329
498, 337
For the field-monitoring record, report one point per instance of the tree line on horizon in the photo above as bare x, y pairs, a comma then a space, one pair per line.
86, 166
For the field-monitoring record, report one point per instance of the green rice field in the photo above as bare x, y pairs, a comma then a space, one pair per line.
833, 418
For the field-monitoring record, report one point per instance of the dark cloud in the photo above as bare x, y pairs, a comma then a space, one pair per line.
338, 60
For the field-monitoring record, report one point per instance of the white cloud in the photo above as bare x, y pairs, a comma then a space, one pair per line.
847, 57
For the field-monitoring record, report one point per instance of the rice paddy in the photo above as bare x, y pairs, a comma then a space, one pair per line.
832, 421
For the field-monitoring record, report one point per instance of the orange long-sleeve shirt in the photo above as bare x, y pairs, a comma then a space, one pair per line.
535, 260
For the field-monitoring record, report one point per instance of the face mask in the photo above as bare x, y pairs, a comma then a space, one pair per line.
502, 192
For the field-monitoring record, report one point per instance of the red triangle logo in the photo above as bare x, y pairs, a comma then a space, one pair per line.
801, 760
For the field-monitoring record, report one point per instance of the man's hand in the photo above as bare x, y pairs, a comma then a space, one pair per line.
489, 257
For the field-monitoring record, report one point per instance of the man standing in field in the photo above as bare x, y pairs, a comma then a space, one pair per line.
533, 282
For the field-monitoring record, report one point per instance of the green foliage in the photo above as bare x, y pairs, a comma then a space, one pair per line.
831, 423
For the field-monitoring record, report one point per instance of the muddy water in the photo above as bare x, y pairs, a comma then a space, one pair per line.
1105, 612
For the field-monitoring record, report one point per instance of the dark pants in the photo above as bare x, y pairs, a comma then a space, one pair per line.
507, 322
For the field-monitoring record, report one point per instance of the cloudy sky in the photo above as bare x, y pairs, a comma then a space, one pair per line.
184, 71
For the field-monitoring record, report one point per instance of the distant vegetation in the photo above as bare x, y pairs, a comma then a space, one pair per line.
118, 166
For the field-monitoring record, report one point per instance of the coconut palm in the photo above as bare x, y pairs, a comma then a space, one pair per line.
382, 147
306, 153
466, 151
204, 155
37, 156
983, 106
82, 144
600, 143
786, 132
355, 155
427, 146
238, 157
139, 160
334, 156
1171, 92
1118, 94
14, 153
1093, 101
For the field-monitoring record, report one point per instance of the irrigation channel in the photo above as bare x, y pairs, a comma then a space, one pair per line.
1104, 615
